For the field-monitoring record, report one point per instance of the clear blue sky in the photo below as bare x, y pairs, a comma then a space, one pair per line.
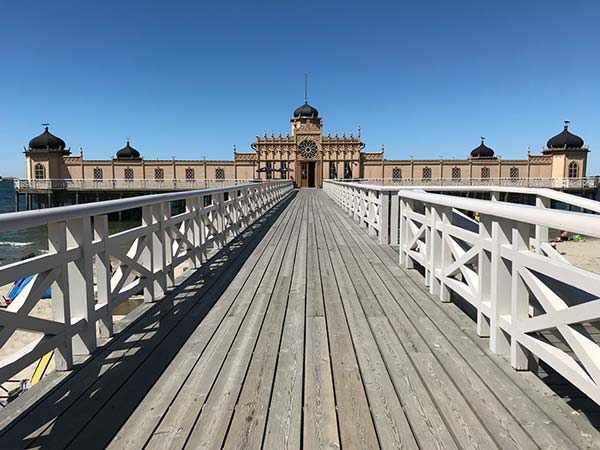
191, 79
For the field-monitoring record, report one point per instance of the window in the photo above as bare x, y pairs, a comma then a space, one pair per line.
98, 174
219, 173
159, 174
396, 173
189, 174
332, 170
456, 173
485, 172
573, 169
269, 170
427, 173
514, 172
40, 171
347, 170
284, 170
128, 174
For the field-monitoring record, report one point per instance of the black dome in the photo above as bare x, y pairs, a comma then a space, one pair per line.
47, 141
306, 111
483, 151
565, 139
128, 152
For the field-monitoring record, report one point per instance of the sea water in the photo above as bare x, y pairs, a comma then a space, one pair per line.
18, 244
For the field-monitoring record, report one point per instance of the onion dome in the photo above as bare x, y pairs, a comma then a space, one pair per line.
47, 141
128, 152
306, 111
483, 151
565, 139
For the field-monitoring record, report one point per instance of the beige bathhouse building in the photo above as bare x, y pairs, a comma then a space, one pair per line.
307, 156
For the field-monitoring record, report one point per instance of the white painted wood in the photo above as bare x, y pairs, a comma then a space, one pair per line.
85, 289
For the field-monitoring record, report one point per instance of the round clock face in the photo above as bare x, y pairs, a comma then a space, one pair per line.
307, 149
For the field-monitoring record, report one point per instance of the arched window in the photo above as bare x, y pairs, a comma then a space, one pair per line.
514, 172
485, 172
427, 173
128, 174
219, 173
159, 174
97, 174
396, 173
39, 172
573, 169
189, 174
456, 173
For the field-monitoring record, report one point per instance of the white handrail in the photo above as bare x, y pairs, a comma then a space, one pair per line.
377, 208
91, 271
122, 184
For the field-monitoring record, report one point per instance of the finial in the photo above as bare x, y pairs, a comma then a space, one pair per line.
382, 147
359, 130
127, 139
46, 125
351, 134
528, 151
567, 122
279, 134
272, 134
343, 134
305, 88
482, 139
234, 148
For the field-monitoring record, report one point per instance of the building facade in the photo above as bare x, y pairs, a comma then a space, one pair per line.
307, 156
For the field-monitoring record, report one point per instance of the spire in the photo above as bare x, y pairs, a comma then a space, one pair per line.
305, 88
567, 122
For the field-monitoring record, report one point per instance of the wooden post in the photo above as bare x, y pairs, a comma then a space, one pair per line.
500, 280
81, 284
61, 312
103, 274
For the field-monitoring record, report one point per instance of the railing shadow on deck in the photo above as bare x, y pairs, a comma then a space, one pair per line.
172, 321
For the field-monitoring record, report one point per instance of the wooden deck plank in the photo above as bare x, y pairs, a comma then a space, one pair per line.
284, 422
250, 416
356, 427
392, 426
470, 379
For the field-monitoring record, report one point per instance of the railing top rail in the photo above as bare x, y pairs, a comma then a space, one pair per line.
587, 224
27, 219
574, 200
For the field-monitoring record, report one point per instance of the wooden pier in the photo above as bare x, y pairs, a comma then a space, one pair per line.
303, 332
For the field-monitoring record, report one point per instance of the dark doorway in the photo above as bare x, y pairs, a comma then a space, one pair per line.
308, 174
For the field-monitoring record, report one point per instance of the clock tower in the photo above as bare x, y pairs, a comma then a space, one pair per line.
307, 130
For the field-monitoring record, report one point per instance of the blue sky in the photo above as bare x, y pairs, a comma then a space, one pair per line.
191, 79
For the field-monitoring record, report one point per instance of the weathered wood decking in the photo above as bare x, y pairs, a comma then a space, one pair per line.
303, 333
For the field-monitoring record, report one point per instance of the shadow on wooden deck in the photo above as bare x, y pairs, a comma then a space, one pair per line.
119, 375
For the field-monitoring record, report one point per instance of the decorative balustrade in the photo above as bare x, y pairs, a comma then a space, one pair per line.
521, 295
123, 185
91, 272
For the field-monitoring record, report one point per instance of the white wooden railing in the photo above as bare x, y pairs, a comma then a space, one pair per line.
376, 207
24, 185
85, 288
521, 296
531, 182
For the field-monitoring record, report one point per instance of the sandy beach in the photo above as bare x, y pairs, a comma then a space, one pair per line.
585, 255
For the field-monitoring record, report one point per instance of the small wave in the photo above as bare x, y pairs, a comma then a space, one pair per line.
15, 244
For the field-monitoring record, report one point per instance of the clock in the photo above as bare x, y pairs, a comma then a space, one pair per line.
307, 149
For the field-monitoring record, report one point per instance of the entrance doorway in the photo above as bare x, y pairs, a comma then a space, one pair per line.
307, 174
